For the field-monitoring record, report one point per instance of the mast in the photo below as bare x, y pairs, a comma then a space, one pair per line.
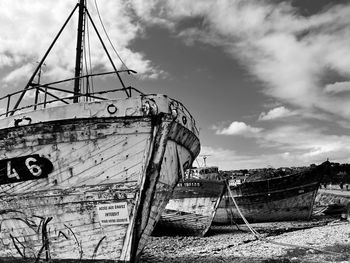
83, 12
79, 49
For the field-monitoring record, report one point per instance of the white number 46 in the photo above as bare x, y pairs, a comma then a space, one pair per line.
33, 168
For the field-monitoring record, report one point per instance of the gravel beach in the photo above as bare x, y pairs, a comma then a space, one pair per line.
323, 239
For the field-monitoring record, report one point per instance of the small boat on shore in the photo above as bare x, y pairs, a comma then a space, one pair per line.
192, 207
86, 175
280, 197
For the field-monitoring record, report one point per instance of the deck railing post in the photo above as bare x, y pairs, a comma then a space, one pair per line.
45, 97
8, 104
36, 98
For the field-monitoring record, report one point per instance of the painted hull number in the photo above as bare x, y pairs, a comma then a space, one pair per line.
189, 184
24, 168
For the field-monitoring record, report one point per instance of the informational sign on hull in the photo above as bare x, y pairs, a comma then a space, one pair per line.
111, 214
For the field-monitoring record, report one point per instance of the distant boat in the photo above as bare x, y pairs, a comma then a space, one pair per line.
193, 205
89, 178
278, 198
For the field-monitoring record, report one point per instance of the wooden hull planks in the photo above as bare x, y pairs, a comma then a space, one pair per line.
110, 180
283, 198
192, 208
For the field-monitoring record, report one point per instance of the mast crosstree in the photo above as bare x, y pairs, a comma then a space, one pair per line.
83, 14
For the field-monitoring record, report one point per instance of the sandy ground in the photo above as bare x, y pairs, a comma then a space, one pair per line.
323, 239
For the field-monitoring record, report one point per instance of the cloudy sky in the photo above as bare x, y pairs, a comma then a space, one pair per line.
268, 81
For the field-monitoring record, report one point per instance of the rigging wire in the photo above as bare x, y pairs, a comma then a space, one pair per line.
85, 61
90, 63
135, 79
87, 57
110, 42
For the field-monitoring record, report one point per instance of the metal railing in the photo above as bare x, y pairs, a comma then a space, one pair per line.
47, 89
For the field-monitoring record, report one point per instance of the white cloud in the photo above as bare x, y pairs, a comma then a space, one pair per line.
29, 26
291, 55
19, 73
286, 51
306, 142
227, 159
239, 128
338, 87
286, 145
276, 113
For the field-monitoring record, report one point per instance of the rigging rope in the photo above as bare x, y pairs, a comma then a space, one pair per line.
87, 60
110, 42
89, 48
254, 232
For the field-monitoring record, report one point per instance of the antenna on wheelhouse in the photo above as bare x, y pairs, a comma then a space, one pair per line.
78, 57
205, 156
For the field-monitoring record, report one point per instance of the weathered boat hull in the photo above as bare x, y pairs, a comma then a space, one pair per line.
278, 199
113, 171
191, 209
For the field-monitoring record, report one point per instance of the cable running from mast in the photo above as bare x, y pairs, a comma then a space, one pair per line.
90, 63
87, 60
110, 42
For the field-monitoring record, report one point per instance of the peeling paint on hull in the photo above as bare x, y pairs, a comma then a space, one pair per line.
279, 199
98, 159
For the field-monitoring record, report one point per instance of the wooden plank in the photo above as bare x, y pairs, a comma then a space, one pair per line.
68, 161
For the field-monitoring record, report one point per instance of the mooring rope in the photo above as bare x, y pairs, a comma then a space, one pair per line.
261, 238
254, 232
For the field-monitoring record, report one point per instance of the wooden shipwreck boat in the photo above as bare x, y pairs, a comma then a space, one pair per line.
88, 178
278, 198
193, 205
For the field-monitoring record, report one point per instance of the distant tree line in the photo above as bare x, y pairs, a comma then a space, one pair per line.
333, 173
337, 174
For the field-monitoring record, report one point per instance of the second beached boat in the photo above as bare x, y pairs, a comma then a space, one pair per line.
192, 207
278, 198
